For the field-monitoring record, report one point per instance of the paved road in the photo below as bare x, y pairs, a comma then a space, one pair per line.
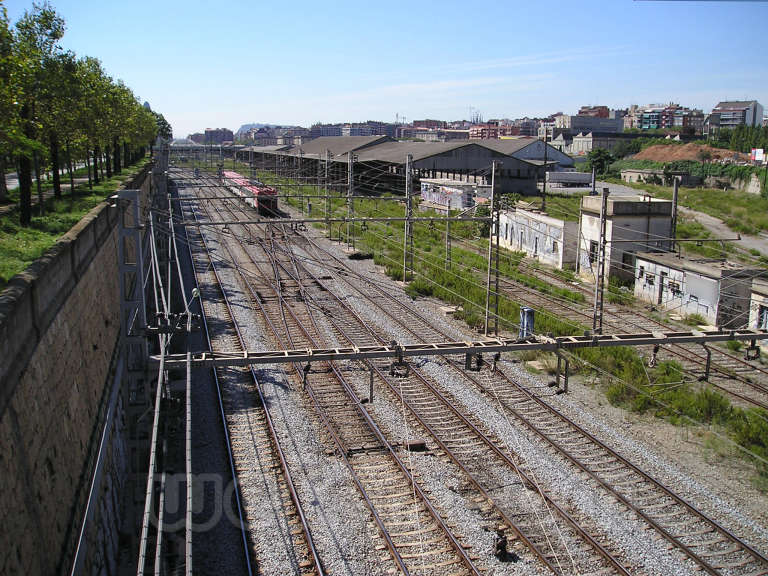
12, 179
720, 230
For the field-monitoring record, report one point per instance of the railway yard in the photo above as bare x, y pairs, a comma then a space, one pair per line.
368, 466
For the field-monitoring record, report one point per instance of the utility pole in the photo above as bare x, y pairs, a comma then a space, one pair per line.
300, 180
673, 223
407, 231
597, 313
448, 241
490, 247
496, 272
327, 194
594, 182
350, 193
544, 186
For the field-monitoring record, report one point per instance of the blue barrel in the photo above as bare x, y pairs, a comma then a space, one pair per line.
526, 322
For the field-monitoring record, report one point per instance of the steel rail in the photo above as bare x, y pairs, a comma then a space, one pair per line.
683, 353
372, 425
227, 439
757, 556
479, 434
483, 438
272, 431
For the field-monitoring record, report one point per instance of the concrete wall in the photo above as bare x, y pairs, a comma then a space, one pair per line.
758, 310
635, 233
549, 240
682, 292
59, 323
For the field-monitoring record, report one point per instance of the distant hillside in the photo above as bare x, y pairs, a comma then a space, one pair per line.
246, 127
690, 151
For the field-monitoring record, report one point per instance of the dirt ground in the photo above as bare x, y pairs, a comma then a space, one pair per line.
690, 151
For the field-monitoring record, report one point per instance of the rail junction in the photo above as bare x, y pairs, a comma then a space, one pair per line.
358, 433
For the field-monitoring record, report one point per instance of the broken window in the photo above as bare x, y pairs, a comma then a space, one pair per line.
762, 318
592, 251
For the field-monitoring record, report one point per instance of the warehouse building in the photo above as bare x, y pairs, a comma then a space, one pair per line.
379, 162
716, 289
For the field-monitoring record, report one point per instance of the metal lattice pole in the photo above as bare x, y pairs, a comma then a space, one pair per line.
407, 231
597, 313
448, 242
490, 248
350, 194
327, 194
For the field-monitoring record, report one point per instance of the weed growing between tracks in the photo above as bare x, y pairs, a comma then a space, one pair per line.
626, 380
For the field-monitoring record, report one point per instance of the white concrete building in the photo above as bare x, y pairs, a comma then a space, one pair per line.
633, 224
549, 240
717, 290
758, 305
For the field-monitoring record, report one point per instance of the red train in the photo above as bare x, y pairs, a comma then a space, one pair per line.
262, 198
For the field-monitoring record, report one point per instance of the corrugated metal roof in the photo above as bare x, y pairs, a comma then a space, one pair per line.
271, 148
395, 152
336, 145
507, 146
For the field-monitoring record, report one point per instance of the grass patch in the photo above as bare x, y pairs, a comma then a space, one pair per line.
20, 246
694, 320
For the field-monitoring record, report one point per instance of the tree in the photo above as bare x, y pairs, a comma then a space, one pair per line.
600, 159
9, 97
35, 41
49, 98
58, 102
163, 128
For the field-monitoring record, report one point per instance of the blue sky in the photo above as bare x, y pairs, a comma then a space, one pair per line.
221, 64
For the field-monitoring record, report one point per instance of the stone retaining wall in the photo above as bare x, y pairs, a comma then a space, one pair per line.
59, 323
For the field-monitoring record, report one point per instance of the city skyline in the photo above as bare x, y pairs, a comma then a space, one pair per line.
304, 63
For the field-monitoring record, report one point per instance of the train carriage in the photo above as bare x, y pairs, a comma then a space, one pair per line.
256, 195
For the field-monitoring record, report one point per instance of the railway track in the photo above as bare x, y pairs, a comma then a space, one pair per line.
704, 541
417, 537
548, 530
288, 284
743, 380
251, 432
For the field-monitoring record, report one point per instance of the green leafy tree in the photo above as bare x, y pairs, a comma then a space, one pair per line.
163, 127
35, 42
9, 98
600, 159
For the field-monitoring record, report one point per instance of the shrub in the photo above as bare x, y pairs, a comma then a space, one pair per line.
694, 320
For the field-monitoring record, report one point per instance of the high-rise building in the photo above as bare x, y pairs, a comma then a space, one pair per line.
218, 135
730, 114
